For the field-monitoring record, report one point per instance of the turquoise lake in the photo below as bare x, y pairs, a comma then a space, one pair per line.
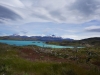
37, 43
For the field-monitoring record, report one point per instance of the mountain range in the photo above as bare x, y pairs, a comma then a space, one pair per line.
35, 38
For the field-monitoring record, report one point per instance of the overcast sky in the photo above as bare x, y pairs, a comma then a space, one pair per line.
76, 19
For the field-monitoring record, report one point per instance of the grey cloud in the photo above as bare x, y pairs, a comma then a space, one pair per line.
93, 30
24, 32
85, 7
63, 11
6, 13
1, 22
42, 16
57, 14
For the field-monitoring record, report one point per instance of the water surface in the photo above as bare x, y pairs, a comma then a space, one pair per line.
37, 43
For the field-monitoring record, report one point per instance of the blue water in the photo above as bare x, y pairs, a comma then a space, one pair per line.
37, 43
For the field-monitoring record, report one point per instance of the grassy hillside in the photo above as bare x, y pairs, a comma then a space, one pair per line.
84, 42
29, 60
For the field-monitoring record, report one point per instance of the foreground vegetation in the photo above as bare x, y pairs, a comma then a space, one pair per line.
20, 61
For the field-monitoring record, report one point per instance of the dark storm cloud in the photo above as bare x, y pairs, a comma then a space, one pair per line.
6, 13
85, 7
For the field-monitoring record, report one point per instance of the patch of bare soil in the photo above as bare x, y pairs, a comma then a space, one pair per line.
97, 63
32, 55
